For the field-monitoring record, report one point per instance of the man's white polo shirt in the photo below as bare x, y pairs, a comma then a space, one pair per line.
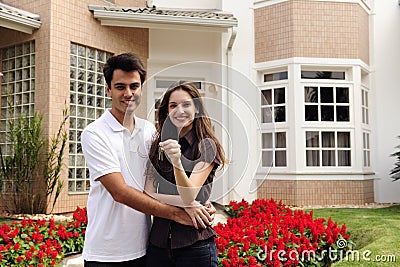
115, 232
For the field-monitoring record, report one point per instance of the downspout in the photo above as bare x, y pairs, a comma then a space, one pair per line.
226, 98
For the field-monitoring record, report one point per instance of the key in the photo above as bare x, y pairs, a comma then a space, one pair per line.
160, 154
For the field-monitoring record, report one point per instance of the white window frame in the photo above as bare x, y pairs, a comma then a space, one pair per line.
320, 148
366, 149
274, 149
365, 105
272, 106
335, 104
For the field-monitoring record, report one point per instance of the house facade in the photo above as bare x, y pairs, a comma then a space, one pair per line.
298, 91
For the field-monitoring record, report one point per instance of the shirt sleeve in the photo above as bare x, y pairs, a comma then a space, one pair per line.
99, 154
208, 152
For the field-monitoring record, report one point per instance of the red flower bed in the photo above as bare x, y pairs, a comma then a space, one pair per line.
266, 233
41, 243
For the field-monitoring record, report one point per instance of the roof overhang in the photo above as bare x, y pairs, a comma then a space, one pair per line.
18, 19
162, 18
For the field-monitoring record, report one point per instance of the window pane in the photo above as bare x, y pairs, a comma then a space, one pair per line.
311, 113
266, 97
327, 113
328, 139
280, 158
343, 139
280, 114
276, 76
312, 139
326, 94
267, 140
279, 95
342, 113
344, 158
342, 95
336, 75
266, 115
363, 115
312, 157
267, 158
280, 140
311, 94
328, 158
362, 97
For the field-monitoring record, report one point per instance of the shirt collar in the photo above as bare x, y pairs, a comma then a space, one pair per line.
116, 126
190, 136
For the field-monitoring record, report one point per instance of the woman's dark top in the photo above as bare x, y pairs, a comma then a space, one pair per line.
166, 233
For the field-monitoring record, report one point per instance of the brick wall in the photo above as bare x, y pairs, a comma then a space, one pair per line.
317, 29
318, 192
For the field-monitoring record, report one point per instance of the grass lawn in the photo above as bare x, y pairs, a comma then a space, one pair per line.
2, 220
375, 230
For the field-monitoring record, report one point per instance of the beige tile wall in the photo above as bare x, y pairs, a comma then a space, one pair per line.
310, 192
64, 22
317, 29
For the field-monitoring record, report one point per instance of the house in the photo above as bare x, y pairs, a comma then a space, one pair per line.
302, 93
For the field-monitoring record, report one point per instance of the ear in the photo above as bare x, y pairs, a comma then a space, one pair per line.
108, 90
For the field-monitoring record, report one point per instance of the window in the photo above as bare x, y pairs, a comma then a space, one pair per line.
277, 76
328, 148
88, 100
327, 103
17, 89
323, 75
274, 149
364, 106
273, 105
366, 150
18, 85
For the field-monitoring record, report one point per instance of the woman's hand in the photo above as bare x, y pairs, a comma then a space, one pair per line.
200, 216
172, 149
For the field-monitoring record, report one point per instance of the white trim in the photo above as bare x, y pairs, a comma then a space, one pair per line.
339, 62
264, 3
18, 23
321, 176
162, 26
125, 19
362, 3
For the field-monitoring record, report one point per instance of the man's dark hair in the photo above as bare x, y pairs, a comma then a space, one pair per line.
126, 62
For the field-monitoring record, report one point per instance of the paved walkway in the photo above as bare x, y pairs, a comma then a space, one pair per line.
77, 260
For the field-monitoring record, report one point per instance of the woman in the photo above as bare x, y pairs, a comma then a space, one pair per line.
184, 158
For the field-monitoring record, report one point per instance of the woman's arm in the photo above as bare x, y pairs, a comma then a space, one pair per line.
188, 187
198, 213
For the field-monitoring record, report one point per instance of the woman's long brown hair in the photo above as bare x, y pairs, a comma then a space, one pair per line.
201, 122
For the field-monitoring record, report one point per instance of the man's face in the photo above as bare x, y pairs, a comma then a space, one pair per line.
125, 93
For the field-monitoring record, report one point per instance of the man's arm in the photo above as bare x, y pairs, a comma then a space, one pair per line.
124, 194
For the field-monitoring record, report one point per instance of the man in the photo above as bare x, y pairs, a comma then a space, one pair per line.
118, 227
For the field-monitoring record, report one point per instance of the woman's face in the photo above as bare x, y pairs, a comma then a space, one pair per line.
181, 109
